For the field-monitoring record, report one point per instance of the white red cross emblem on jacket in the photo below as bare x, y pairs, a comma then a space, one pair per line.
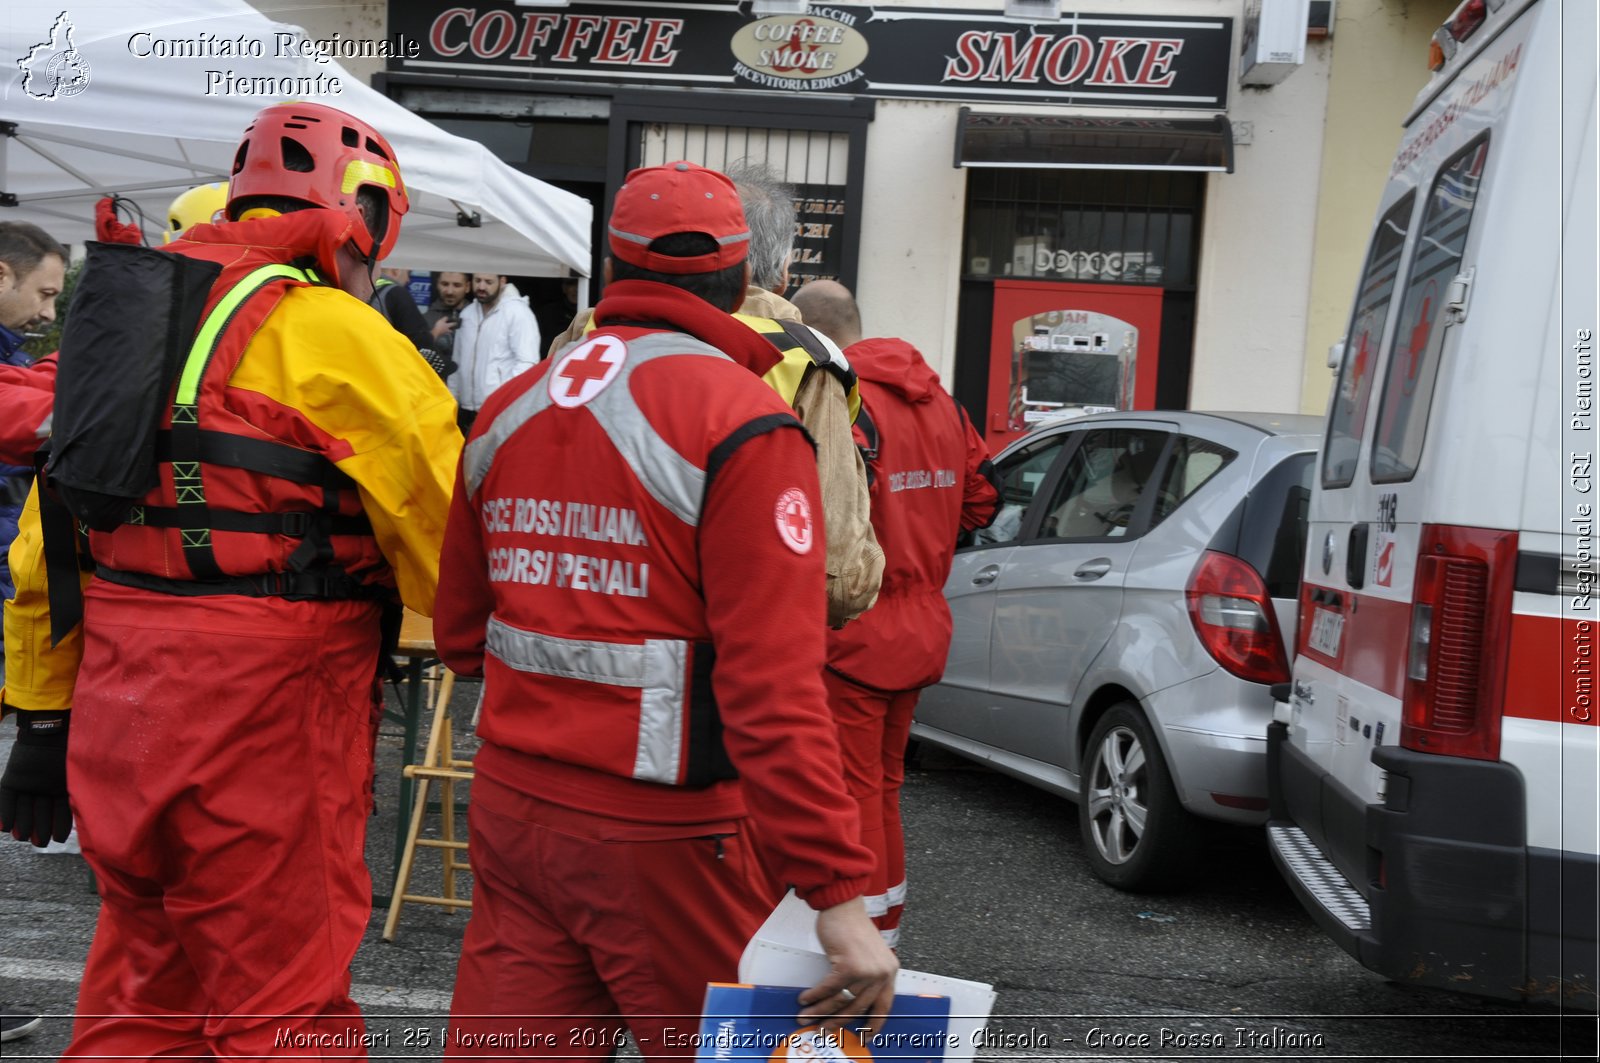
585, 371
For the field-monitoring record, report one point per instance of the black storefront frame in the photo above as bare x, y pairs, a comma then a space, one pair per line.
630, 109
1179, 308
633, 109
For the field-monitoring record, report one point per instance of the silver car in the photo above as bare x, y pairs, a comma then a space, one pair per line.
1118, 626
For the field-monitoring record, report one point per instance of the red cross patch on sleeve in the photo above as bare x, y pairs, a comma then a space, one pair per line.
793, 515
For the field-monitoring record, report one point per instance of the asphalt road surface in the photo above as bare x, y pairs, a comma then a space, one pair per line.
999, 892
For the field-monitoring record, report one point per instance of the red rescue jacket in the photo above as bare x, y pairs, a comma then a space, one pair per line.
622, 510
609, 550
931, 479
26, 394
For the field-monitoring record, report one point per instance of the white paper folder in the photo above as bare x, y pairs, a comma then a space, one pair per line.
785, 951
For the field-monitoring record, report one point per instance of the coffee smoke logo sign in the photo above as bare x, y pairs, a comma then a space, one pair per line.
54, 69
819, 52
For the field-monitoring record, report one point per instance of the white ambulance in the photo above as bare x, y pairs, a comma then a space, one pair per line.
1434, 761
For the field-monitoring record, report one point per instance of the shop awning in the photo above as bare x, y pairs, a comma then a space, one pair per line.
1071, 142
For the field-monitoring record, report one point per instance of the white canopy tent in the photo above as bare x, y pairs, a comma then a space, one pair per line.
146, 98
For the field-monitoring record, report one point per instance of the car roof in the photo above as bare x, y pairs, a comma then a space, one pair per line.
1295, 430
1292, 425
1276, 424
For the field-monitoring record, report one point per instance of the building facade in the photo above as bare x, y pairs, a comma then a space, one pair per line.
1130, 204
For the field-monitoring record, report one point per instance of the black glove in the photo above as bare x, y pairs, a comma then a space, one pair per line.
33, 790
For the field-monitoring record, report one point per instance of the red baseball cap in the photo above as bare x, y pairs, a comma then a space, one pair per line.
678, 197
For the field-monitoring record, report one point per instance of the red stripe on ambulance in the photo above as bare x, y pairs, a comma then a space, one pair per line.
1372, 649
1552, 671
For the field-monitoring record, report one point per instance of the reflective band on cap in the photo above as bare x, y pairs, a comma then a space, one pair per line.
645, 241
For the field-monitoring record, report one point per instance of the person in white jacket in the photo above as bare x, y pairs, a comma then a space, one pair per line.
498, 339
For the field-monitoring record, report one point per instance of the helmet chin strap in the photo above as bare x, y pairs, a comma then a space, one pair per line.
377, 241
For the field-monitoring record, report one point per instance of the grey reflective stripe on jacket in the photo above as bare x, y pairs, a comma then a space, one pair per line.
658, 668
670, 478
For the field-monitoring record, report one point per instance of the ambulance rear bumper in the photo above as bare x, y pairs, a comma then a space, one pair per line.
1436, 885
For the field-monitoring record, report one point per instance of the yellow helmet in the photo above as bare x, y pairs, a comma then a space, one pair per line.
200, 203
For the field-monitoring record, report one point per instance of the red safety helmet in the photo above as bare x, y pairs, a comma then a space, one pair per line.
322, 156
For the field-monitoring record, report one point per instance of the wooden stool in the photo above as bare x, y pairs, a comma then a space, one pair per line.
438, 765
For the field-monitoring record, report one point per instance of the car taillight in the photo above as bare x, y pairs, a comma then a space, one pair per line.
1232, 614
1460, 631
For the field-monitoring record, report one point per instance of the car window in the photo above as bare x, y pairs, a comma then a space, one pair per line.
1102, 484
1276, 520
1348, 416
1419, 335
1267, 529
1021, 475
1193, 462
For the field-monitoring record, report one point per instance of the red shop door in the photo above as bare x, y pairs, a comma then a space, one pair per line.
1057, 348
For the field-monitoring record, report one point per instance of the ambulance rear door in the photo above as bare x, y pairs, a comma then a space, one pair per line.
1394, 419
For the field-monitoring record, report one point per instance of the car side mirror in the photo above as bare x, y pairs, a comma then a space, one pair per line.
1336, 355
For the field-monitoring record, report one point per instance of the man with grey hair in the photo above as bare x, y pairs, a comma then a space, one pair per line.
816, 380
769, 209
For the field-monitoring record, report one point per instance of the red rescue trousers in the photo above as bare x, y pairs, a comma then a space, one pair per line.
220, 767
874, 726
584, 925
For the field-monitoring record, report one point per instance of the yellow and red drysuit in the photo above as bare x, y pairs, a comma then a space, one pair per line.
931, 480
634, 563
220, 760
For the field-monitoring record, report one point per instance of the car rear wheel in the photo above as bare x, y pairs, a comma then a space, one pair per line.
1137, 834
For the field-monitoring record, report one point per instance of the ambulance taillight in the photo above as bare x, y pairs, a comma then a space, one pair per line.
1457, 653
1233, 615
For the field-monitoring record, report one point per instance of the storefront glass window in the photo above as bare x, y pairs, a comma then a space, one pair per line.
1115, 226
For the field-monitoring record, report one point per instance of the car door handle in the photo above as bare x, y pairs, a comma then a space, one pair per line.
1092, 570
986, 575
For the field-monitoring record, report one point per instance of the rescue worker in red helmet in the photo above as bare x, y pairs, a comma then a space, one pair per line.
931, 479
224, 712
634, 529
